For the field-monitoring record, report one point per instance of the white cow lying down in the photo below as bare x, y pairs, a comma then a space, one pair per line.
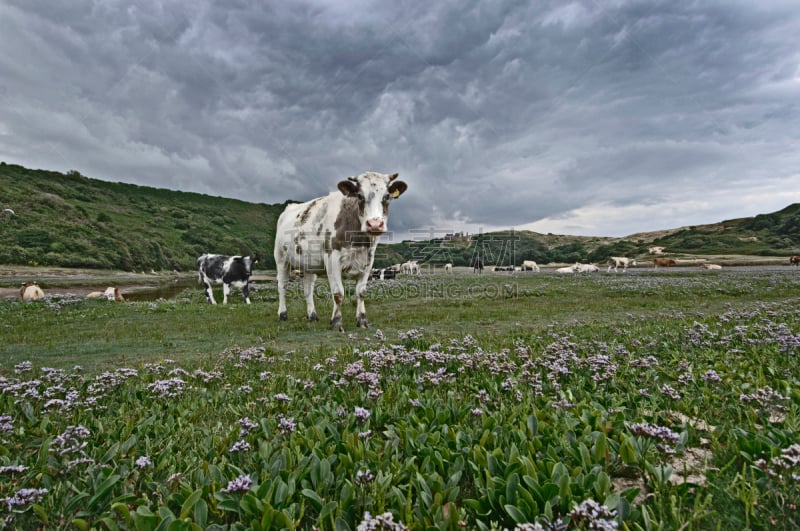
568, 269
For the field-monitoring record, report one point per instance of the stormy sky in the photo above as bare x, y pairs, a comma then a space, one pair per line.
589, 117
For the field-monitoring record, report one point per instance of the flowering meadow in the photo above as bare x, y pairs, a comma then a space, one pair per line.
637, 401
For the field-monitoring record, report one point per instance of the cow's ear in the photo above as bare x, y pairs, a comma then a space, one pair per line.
396, 188
348, 188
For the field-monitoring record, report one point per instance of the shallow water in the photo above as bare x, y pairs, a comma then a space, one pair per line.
164, 291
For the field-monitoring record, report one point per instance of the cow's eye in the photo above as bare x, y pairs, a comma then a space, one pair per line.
386, 197
360, 197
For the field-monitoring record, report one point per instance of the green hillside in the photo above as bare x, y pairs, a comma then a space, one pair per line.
766, 234
73, 221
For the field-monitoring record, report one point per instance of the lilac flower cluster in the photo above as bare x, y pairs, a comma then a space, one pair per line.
143, 462
364, 477
711, 376
787, 464
247, 425
383, 522
664, 435
286, 426
414, 333
24, 366
240, 484
591, 515
13, 469
207, 376
71, 441
763, 396
361, 414
670, 392
171, 388
23, 497
6, 424
240, 446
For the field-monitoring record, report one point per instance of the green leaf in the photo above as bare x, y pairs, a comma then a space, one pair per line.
627, 451
512, 485
201, 513
110, 453
80, 523
144, 519
122, 510
515, 514
314, 498
103, 490
188, 505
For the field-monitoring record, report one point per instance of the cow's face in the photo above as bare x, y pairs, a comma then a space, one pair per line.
373, 192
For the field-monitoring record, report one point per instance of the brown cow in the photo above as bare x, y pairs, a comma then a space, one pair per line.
664, 262
794, 260
30, 291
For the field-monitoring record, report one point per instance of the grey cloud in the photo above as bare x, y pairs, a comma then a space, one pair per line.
496, 113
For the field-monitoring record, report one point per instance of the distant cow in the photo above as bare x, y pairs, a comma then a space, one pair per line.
410, 268
568, 269
663, 262
655, 250
334, 235
616, 261
530, 265
386, 273
712, 266
226, 270
448, 268
586, 268
794, 260
30, 291
111, 294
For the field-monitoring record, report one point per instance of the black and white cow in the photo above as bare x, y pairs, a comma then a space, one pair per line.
335, 235
226, 270
383, 274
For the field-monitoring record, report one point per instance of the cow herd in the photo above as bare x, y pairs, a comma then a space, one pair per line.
336, 236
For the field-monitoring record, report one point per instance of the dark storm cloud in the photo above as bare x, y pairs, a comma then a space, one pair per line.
498, 114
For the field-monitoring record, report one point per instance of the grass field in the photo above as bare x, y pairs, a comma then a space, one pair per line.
645, 400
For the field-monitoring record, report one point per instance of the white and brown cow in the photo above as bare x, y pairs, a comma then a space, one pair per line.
111, 294
616, 261
30, 291
335, 235
226, 270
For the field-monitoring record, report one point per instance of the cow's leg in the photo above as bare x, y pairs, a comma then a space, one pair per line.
246, 292
283, 277
209, 292
226, 290
337, 292
361, 293
308, 289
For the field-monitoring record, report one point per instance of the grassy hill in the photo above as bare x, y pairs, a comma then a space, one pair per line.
776, 234
73, 221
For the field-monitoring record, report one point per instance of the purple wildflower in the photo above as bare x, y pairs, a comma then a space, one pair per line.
361, 413
240, 484
23, 497
143, 462
384, 521
240, 446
